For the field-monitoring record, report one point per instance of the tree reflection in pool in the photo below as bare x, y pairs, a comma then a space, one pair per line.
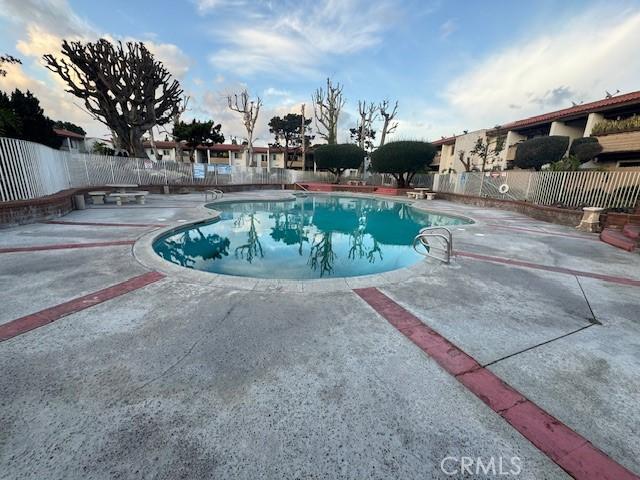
310, 237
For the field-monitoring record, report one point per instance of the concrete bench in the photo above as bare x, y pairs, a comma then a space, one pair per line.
139, 196
430, 195
97, 198
415, 195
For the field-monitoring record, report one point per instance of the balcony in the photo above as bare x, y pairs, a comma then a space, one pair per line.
620, 142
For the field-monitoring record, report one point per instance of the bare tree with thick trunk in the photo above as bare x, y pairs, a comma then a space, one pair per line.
368, 114
326, 108
249, 109
388, 125
123, 86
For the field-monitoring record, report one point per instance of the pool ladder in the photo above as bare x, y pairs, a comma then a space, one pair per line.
441, 233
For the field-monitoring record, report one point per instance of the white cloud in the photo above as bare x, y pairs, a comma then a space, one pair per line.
447, 28
299, 38
591, 54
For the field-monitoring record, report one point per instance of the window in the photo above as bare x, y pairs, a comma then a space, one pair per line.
166, 153
263, 157
629, 163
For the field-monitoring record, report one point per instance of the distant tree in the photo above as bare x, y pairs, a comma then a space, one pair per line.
27, 120
488, 150
403, 159
122, 86
465, 160
287, 132
100, 148
327, 105
585, 149
539, 151
388, 114
72, 127
366, 141
197, 133
7, 60
249, 109
338, 158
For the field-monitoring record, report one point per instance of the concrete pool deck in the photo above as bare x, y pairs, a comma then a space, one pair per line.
135, 374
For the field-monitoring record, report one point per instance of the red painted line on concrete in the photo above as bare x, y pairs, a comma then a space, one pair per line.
549, 268
106, 224
65, 246
48, 315
544, 232
572, 452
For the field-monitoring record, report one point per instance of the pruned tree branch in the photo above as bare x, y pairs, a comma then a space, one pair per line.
250, 109
388, 125
326, 108
122, 85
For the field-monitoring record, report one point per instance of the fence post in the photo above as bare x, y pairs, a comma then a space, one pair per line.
481, 183
526, 195
113, 177
138, 169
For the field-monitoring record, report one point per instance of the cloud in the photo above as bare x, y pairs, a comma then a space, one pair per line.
299, 38
592, 53
447, 28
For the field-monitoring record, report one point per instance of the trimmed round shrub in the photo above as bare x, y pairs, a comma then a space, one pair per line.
338, 158
539, 151
585, 149
403, 159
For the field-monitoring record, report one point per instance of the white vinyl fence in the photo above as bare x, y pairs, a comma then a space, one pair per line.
607, 189
30, 170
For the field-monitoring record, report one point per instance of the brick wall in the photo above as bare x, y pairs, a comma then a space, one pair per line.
560, 216
20, 212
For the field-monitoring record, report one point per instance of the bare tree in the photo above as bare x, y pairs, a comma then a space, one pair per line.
465, 160
388, 126
249, 109
124, 87
326, 108
368, 114
6, 60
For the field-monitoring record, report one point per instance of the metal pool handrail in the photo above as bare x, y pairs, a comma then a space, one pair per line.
434, 232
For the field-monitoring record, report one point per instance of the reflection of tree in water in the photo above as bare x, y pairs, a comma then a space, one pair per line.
357, 247
187, 249
321, 254
289, 228
253, 247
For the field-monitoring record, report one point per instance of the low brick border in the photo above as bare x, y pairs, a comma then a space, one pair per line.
22, 212
560, 216
565, 447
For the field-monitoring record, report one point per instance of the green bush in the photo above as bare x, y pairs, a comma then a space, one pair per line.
605, 127
539, 151
403, 159
338, 158
585, 149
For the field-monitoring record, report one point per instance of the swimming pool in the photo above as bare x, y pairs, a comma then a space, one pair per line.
313, 236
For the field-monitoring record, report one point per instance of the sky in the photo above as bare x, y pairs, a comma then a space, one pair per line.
451, 65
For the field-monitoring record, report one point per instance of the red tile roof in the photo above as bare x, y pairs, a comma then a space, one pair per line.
445, 141
585, 108
61, 132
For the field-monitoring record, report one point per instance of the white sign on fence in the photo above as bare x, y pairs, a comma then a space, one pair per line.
224, 169
198, 170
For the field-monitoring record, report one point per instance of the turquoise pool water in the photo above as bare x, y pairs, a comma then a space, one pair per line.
316, 236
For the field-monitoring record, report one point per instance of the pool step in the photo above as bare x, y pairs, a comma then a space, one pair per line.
631, 231
621, 239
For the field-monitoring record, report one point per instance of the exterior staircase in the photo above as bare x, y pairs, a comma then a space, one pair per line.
627, 238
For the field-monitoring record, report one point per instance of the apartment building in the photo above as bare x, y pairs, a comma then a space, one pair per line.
620, 147
236, 155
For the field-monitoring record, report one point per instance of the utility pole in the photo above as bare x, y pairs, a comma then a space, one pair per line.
304, 142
